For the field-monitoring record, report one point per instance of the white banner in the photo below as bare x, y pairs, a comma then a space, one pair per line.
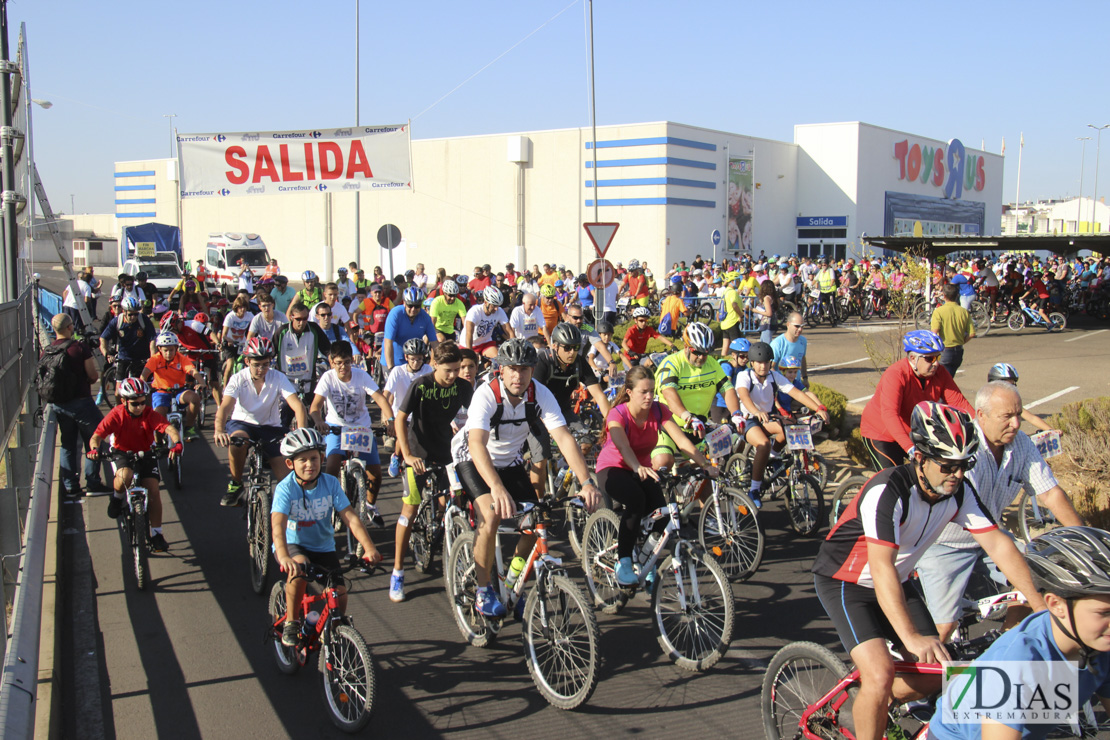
322, 160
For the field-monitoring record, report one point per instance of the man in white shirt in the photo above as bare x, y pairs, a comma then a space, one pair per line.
420, 278
480, 322
345, 285
69, 300
338, 313
527, 319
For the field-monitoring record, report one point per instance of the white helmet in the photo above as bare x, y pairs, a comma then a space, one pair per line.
493, 296
168, 339
450, 287
640, 311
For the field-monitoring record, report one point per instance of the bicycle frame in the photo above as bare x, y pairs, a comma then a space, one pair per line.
538, 560
329, 616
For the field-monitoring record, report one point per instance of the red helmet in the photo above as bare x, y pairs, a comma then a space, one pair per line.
258, 348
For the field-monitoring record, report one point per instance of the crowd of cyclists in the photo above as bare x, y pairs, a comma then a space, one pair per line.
479, 373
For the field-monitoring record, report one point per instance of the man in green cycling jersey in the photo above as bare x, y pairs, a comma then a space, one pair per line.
687, 382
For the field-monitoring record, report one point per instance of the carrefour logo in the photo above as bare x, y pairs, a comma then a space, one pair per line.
316, 134
219, 137
321, 187
225, 191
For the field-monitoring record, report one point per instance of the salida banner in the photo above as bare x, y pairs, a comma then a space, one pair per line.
322, 160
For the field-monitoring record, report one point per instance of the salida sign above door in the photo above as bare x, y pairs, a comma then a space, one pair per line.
951, 167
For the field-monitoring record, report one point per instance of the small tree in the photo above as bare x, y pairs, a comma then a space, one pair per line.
885, 348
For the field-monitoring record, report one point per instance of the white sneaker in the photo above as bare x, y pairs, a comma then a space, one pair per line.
397, 588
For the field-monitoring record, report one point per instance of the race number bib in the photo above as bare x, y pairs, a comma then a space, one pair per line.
1048, 444
296, 364
356, 439
799, 438
718, 442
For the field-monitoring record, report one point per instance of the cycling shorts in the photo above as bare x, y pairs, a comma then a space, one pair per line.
884, 454
270, 437
414, 485
514, 478
664, 445
327, 559
147, 467
857, 616
162, 399
639, 301
481, 348
370, 458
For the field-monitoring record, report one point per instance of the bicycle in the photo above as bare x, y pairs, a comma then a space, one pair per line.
134, 527
691, 598
256, 489
346, 663
202, 410
728, 525
352, 475
107, 392
843, 496
1026, 316
431, 528
562, 490
177, 420
559, 628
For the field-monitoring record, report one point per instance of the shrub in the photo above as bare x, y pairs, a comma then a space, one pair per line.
853, 447
1086, 427
835, 401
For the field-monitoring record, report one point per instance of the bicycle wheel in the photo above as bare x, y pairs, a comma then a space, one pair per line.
734, 537
462, 591
694, 634
1059, 321
420, 542
259, 536
349, 679
980, 317
108, 386
1016, 322
845, 492
202, 411
140, 532
805, 504
285, 657
561, 643
599, 561
576, 517
866, 309
705, 312
1034, 522
176, 467
798, 676
922, 316
819, 469
455, 524
737, 472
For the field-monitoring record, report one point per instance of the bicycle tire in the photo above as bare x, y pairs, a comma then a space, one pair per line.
285, 657
140, 551
561, 655
462, 592
1059, 321
1016, 321
737, 471
259, 538
980, 317
599, 561
734, 541
845, 492
805, 505
697, 636
202, 411
866, 309
108, 386
455, 524
1030, 526
348, 678
705, 312
819, 469
797, 677
420, 540
575, 521
922, 316
175, 465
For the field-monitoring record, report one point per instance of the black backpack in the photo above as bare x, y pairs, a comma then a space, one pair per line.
54, 379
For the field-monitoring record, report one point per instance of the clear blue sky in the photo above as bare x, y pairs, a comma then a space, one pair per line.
977, 71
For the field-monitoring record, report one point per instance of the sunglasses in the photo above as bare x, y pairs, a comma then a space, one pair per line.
575, 318
797, 326
571, 347
699, 353
136, 402
299, 318
931, 359
948, 468
321, 315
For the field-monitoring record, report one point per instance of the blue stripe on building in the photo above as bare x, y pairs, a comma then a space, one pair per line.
136, 173
613, 143
134, 187
652, 181
125, 201
652, 160
653, 202
144, 214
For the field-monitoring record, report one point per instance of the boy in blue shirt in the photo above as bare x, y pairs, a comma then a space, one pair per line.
790, 367
301, 520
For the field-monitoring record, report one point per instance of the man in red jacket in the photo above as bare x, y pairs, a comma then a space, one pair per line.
885, 425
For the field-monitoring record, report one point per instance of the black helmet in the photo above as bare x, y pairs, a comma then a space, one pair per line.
517, 352
140, 276
604, 327
415, 346
566, 335
761, 352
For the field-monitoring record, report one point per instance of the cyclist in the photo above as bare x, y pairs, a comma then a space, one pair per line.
624, 465
733, 306
687, 383
311, 293
268, 320
670, 310
331, 328
370, 315
446, 310
234, 334
635, 285
636, 337
789, 367
527, 319
171, 369
482, 319
133, 335
826, 286
732, 363
885, 421
550, 307
405, 322
301, 521
1071, 567
297, 345
424, 433
347, 287
344, 389
251, 408
1037, 297
758, 388
132, 426
603, 350
863, 568
488, 458
282, 294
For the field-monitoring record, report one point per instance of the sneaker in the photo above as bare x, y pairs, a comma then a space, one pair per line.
756, 502
397, 588
394, 466
234, 493
73, 493
115, 506
375, 518
95, 486
651, 580
626, 576
191, 434
488, 605
158, 543
291, 633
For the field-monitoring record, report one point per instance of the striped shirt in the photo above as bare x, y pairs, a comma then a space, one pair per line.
998, 485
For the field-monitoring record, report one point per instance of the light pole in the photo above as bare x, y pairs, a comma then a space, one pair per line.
1094, 198
1082, 160
72, 208
358, 122
170, 116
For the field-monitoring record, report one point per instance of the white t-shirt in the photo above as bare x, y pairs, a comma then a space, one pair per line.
484, 325
237, 327
263, 328
525, 325
421, 281
70, 301
346, 288
611, 296
505, 445
763, 394
262, 409
246, 281
401, 379
339, 314
597, 360
346, 402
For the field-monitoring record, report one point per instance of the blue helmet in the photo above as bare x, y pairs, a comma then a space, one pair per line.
923, 342
675, 279
790, 362
130, 304
740, 345
413, 296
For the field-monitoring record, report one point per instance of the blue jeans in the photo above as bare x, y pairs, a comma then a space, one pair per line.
79, 416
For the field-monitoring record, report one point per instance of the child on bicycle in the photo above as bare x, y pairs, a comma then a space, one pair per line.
301, 520
432, 403
790, 367
132, 426
170, 369
735, 361
400, 379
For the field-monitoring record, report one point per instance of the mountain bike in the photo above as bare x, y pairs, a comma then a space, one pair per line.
560, 629
1027, 316
353, 478
346, 664
728, 525
173, 466
134, 527
257, 491
434, 528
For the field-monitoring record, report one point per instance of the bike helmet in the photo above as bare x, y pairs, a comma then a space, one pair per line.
132, 388
415, 346
308, 275
190, 286
547, 291
199, 324
676, 280
558, 283
301, 440
1071, 562
633, 265
1002, 371
412, 296
167, 339
342, 271
461, 280
493, 296
168, 319
140, 277
258, 348
640, 312
740, 345
450, 288
790, 362
698, 337
130, 304
761, 352
517, 351
567, 335
943, 432
604, 327
923, 342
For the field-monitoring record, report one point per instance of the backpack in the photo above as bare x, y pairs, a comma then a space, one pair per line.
531, 411
722, 310
665, 327
54, 380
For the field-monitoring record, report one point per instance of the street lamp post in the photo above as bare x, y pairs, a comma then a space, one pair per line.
1098, 144
1082, 160
170, 116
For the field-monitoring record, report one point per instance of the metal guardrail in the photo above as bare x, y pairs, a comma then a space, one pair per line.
18, 359
50, 303
21, 661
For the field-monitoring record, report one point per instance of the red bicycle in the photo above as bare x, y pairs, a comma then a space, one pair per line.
346, 663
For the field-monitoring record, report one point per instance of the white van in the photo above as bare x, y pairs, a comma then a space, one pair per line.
162, 270
222, 255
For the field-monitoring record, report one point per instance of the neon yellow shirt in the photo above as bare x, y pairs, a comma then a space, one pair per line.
443, 314
696, 386
732, 297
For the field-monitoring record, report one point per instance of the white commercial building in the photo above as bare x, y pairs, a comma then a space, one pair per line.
523, 197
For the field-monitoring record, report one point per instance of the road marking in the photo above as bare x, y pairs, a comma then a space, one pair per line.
861, 400
1053, 397
1085, 335
839, 364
